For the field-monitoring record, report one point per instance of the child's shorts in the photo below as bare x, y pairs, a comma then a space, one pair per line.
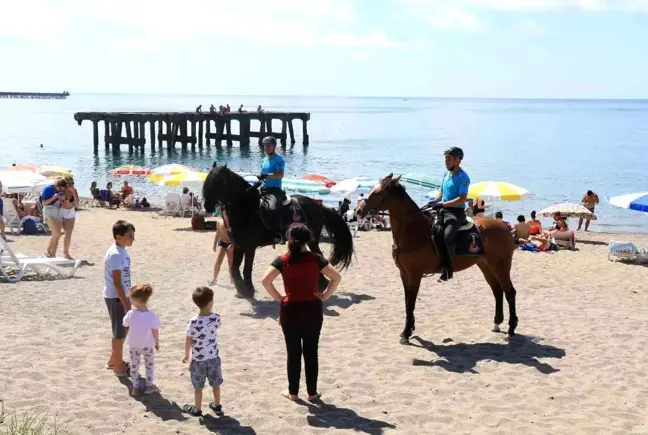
207, 369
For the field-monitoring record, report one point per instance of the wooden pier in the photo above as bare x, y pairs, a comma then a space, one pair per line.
36, 95
188, 128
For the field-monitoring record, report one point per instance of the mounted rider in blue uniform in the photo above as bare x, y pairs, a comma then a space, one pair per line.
271, 175
452, 198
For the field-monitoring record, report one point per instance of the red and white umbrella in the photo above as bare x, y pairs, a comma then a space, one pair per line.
130, 170
320, 179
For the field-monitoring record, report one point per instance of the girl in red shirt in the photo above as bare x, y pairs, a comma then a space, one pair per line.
301, 308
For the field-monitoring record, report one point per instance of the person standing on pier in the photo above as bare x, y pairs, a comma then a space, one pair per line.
272, 173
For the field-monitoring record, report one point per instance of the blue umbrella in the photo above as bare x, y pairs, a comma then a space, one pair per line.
631, 201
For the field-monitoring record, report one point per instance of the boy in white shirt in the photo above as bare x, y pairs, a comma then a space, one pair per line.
202, 341
117, 283
143, 336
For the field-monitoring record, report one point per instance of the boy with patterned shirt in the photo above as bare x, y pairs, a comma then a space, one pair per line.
202, 341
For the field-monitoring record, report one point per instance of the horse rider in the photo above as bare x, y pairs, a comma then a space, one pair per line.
272, 172
452, 199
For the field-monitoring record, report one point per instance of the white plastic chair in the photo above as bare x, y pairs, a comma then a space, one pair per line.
14, 266
626, 251
11, 216
173, 204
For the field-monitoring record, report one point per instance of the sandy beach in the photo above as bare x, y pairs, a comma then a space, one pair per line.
578, 365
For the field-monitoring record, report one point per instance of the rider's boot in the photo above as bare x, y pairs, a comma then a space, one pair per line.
448, 270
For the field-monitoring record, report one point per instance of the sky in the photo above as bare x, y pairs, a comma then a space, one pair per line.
417, 48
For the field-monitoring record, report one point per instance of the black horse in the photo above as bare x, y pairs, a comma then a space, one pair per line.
251, 229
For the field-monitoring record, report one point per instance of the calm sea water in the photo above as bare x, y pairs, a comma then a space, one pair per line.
556, 149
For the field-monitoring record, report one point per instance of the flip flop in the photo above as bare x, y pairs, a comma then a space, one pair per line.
190, 409
218, 409
152, 389
112, 366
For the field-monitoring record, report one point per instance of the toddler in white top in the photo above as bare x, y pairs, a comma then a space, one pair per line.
143, 338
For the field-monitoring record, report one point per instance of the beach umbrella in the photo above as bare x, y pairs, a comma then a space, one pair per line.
22, 168
421, 180
354, 186
295, 185
22, 181
189, 179
320, 179
497, 191
54, 171
631, 201
130, 170
159, 173
568, 210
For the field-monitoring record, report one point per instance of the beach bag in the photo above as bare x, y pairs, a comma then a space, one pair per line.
198, 222
29, 227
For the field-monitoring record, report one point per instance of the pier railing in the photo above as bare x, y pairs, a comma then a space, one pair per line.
36, 95
189, 128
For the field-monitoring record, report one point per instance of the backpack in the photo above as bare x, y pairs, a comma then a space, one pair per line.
29, 227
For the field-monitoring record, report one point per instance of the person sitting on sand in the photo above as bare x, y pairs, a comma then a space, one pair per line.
222, 247
126, 190
301, 314
560, 224
521, 230
535, 226
500, 217
202, 342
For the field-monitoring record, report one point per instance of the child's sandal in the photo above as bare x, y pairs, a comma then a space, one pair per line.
190, 409
218, 409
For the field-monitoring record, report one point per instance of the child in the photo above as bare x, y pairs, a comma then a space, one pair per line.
222, 246
117, 283
143, 335
202, 340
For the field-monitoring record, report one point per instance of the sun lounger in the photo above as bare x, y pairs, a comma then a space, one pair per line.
14, 266
626, 251
11, 216
173, 204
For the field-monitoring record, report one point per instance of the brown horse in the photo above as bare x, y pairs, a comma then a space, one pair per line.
415, 255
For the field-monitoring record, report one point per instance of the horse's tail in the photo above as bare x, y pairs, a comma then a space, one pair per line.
342, 252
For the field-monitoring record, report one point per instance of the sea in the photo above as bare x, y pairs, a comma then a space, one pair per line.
557, 149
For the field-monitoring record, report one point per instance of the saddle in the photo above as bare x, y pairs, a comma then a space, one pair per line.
468, 239
286, 212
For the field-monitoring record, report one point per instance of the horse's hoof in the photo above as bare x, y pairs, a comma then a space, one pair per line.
240, 296
511, 332
404, 341
496, 328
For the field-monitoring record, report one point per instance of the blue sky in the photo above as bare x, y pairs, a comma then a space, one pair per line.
446, 48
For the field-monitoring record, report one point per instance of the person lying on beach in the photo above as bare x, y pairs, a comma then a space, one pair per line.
202, 343
542, 243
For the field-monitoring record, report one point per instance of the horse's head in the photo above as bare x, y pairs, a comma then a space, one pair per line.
381, 196
222, 186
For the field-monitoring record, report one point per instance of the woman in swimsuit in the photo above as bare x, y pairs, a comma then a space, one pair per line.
535, 226
68, 213
222, 246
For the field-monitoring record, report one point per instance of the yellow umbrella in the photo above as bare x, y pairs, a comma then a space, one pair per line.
193, 179
159, 173
497, 191
54, 171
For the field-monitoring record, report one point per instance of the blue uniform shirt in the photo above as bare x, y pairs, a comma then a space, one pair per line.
272, 165
455, 185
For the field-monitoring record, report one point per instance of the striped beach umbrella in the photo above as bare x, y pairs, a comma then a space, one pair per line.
130, 170
22, 168
188, 179
424, 180
54, 171
320, 179
568, 210
497, 191
631, 201
157, 174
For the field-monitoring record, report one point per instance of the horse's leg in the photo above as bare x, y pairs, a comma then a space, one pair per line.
247, 272
411, 285
323, 282
496, 287
503, 273
236, 270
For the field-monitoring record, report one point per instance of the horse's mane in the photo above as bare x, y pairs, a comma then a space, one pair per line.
223, 185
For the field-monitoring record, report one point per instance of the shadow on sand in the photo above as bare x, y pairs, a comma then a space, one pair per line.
262, 309
156, 404
328, 416
225, 425
462, 357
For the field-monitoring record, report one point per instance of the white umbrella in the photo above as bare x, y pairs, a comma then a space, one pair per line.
22, 181
631, 201
569, 210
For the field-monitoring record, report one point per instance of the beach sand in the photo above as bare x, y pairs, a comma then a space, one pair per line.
577, 366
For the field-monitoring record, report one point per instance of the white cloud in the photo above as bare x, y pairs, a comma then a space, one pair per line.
530, 27
451, 18
538, 5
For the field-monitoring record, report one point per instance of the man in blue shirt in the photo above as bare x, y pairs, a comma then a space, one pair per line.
452, 198
272, 172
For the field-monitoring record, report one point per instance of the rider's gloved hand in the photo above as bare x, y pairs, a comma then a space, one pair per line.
438, 206
262, 177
